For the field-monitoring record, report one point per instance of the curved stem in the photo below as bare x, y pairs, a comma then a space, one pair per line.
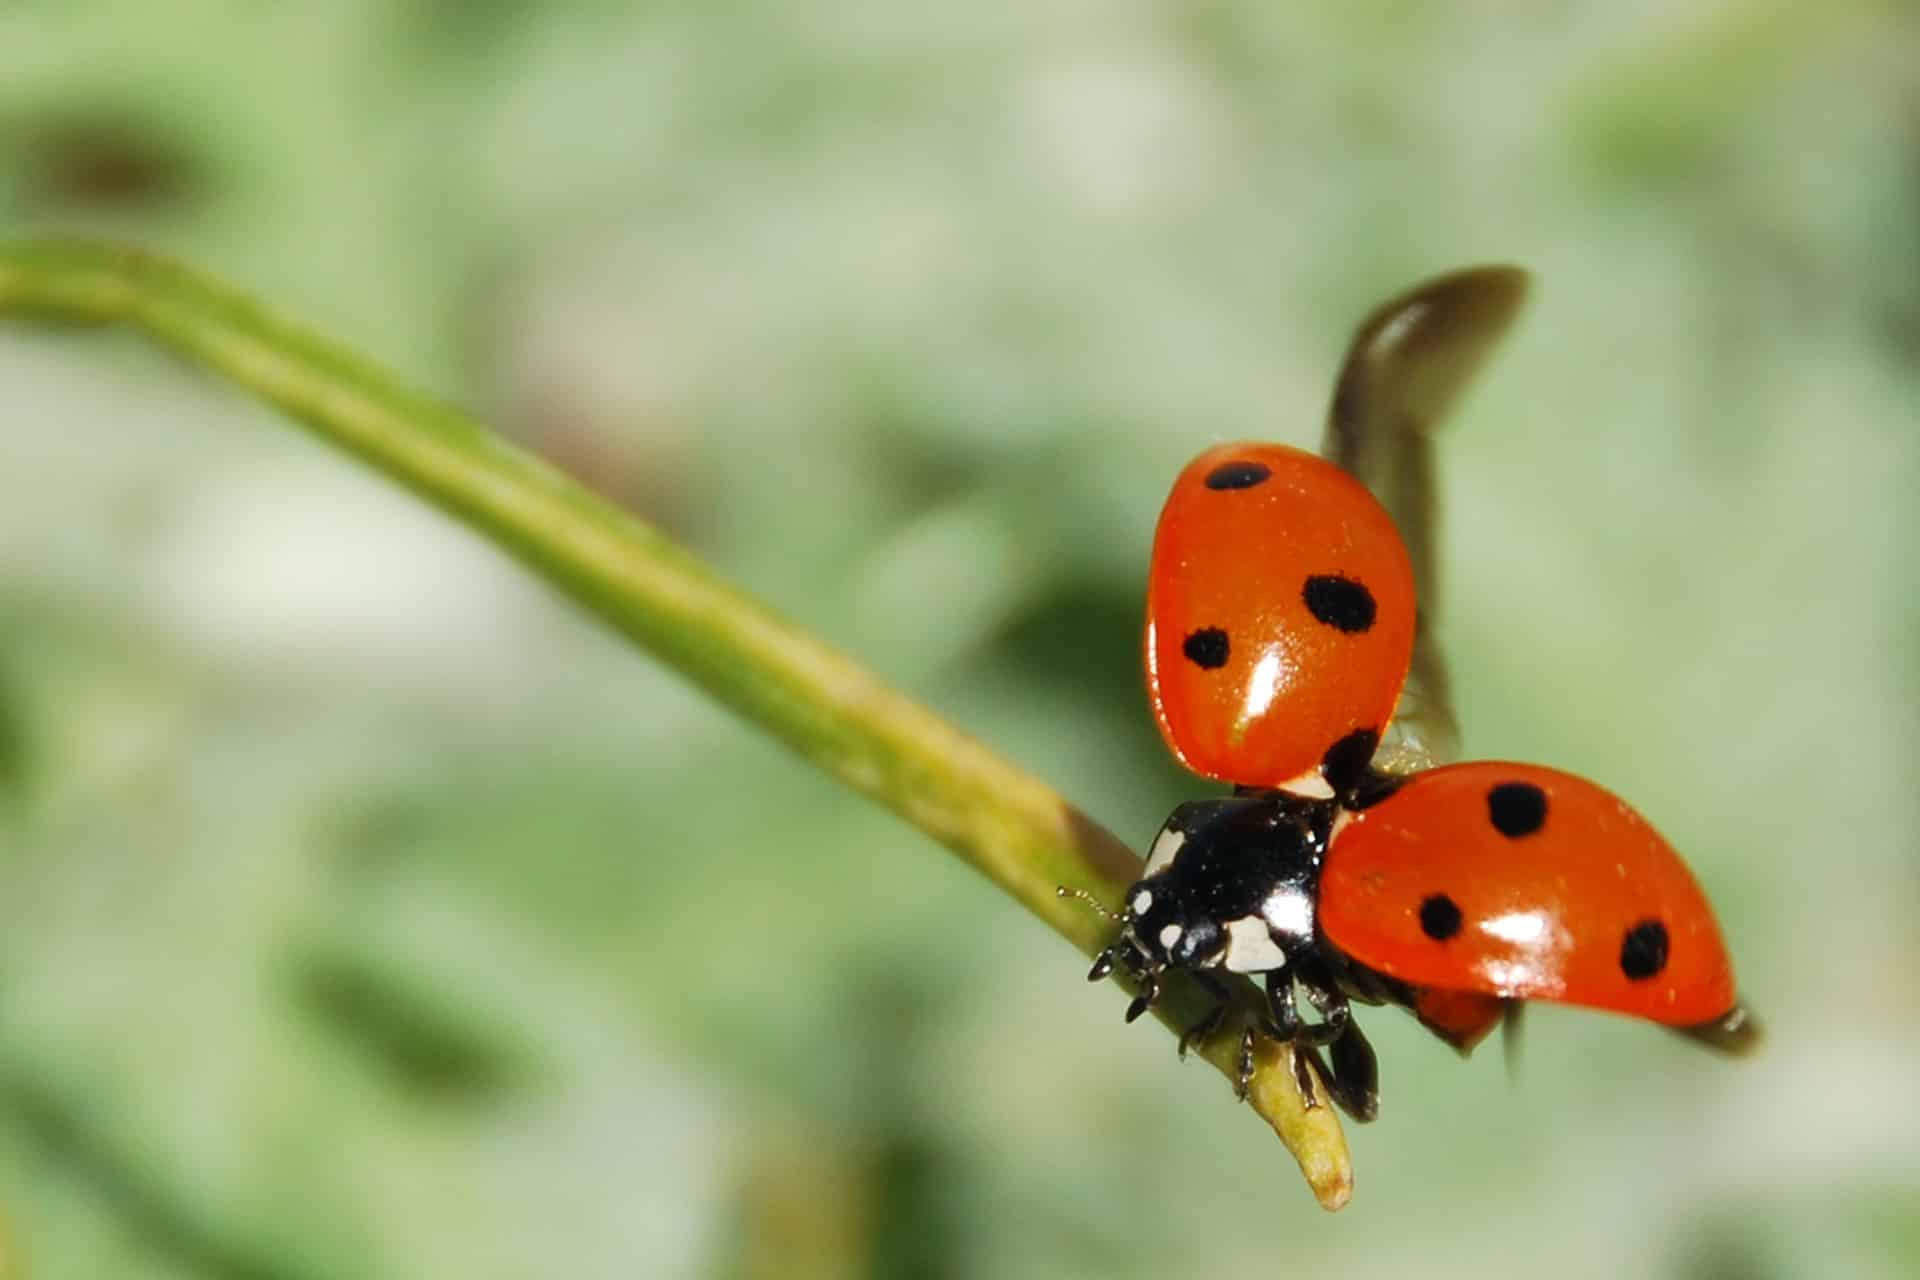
1010, 825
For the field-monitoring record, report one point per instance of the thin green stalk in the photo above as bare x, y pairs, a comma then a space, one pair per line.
1010, 825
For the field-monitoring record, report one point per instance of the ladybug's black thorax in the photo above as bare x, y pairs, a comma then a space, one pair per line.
1233, 861
1231, 883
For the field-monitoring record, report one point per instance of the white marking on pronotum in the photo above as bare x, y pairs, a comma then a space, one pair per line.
1312, 784
1290, 914
1142, 903
1251, 948
1169, 936
1165, 845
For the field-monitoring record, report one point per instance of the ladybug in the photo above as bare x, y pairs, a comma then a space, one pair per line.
1284, 643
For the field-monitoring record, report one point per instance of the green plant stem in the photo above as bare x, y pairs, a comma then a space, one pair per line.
1010, 825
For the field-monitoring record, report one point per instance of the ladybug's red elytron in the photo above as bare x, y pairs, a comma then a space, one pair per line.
1280, 618
1283, 648
1528, 883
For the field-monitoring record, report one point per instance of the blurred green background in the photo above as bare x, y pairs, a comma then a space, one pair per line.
366, 912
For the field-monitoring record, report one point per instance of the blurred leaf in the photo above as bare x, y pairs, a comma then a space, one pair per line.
104, 162
1669, 110
15, 743
430, 1046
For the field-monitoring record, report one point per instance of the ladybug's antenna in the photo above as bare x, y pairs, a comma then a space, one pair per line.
1067, 891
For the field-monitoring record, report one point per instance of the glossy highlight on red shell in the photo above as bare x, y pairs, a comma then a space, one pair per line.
1519, 881
1280, 614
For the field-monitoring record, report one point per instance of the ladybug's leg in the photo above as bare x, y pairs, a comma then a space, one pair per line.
1331, 1004
1149, 992
1244, 1080
1353, 1081
1285, 1015
1286, 1027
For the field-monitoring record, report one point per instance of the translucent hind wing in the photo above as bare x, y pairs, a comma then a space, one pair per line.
1407, 364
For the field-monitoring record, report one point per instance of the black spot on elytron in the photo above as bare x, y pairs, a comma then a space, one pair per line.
1238, 475
1643, 952
1439, 917
1345, 764
1207, 648
1341, 603
1517, 809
